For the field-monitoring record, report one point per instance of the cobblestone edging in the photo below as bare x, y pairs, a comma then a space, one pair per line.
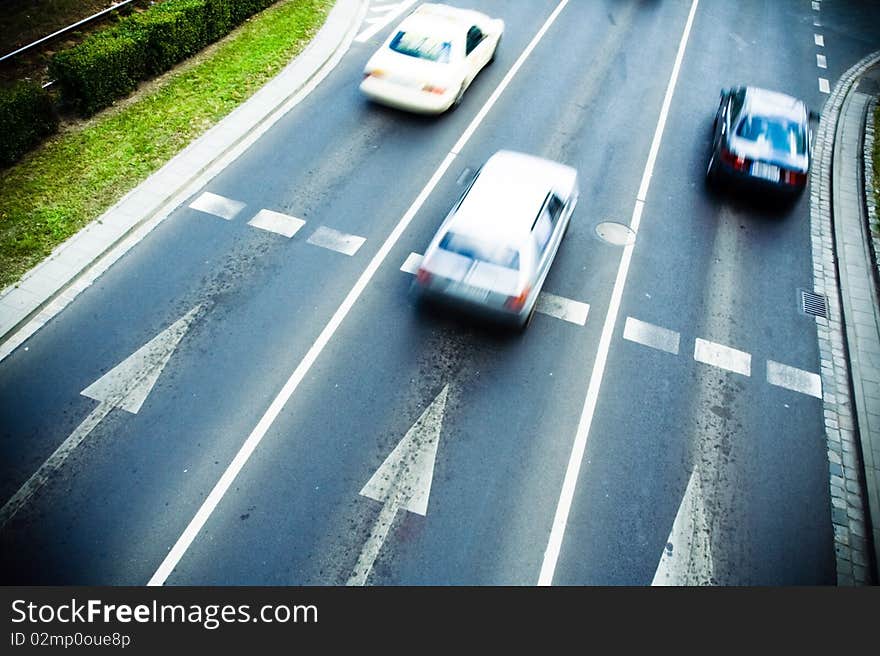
848, 505
868, 172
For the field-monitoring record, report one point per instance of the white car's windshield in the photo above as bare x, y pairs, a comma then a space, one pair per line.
421, 46
480, 249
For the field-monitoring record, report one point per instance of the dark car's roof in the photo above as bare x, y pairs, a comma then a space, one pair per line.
764, 102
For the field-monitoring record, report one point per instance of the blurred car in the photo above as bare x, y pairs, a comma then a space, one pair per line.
435, 53
763, 138
494, 249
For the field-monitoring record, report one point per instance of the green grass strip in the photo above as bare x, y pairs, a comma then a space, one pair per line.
78, 174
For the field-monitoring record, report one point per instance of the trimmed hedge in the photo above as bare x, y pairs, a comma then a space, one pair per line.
109, 64
27, 115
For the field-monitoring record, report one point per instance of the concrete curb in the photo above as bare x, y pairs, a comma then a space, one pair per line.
74, 265
842, 426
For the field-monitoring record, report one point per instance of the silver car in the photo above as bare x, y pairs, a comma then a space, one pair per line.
493, 251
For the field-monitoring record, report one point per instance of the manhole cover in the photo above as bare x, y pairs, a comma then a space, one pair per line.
615, 233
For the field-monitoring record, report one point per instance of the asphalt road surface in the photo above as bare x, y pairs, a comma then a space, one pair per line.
653, 442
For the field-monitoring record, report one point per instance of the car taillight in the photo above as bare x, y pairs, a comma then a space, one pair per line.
430, 88
374, 73
734, 160
516, 303
423, 277
795, 178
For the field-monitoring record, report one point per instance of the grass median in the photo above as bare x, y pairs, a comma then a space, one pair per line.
83, 170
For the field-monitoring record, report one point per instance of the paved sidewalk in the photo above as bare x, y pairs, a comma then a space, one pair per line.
47, 288
845, 269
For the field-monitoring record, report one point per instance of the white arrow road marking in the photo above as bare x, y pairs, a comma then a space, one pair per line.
378, 24
687, 558
125, 386
403, 481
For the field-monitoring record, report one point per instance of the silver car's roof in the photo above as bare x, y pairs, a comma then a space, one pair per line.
508, 193
773, 103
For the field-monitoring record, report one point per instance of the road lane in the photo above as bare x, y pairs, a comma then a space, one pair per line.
512, 402
328, 161
715, 268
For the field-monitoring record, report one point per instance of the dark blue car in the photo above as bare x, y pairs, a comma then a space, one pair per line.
761, 138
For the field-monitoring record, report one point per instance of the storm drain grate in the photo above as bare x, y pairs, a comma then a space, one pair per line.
814, 304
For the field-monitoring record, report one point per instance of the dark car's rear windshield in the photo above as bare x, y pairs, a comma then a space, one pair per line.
421, 46
480, 249
783, 135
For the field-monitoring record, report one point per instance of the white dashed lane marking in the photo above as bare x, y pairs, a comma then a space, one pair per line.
723, 357
816, 6
562, 308
821, 62
552, 305
225, 208
650, 335
794, 379
411, 265
824, 86
819, 40
277, 222
336, 241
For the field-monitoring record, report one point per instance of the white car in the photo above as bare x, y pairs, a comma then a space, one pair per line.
435, 53
493, 251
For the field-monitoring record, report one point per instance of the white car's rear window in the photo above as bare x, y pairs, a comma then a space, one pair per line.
481, 249
421, 46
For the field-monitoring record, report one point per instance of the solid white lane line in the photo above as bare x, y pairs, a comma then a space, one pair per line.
277, 222
821, 62
336, 241
253, 440
824, 87
225, 208
648, 334
373, 29
411, 265
819, 40
794, 379
566, 496
723, 357
562, 308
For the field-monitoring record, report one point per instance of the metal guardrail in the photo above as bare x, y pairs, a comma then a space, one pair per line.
63, 30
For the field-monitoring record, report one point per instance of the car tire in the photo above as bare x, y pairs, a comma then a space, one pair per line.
712, 178
459, 96
495, 51
528, 320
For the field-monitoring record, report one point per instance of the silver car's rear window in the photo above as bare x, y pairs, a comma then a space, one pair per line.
480, 249
421, 46
783, 135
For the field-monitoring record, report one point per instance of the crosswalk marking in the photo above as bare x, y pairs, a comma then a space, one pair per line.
723, 357
794, 379
277, 222
650, 335
336, 241
225, 208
